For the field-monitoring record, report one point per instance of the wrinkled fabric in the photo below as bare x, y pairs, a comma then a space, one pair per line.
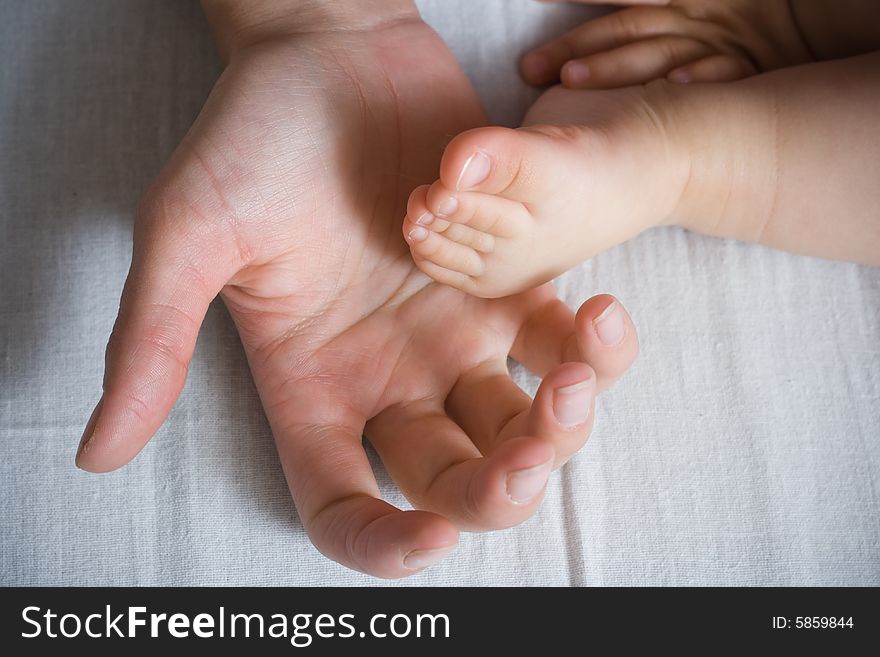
743, 447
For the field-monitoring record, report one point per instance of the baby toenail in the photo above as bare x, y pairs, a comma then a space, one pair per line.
576, 73
426, 219
447, 207
418, 234
609, 325
475, 171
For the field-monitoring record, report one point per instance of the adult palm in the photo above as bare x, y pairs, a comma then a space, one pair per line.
286, 198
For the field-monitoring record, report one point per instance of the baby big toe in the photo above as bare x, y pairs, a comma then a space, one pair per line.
522, 165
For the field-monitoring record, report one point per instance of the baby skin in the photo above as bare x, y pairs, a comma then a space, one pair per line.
514, 208
789, 159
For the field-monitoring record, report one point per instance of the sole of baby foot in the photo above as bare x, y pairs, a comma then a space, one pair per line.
512, 209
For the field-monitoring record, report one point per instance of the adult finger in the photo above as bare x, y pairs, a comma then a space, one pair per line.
602, 335
492, 409
438, 468
178, 267
334, 489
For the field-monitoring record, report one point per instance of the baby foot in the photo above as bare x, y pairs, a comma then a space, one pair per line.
515, 208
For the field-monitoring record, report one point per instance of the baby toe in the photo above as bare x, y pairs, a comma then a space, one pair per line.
444, 252
466, 236
493, 215
416, 208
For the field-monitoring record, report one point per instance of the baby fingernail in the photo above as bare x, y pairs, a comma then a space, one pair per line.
425, 219
679, 76
524, 485
536, 65
609, 325
418, 234
85, 442
448, 206
572, 404
475, 171
576, 73
418, 559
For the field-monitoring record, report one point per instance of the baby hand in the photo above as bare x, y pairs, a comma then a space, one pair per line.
681, 40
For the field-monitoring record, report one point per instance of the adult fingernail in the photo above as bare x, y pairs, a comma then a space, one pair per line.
475, 171
572, 404
575, 73
425, 219
418, 559
679, 76
418, 234
85, 442
448, 206
525, 485
609, 325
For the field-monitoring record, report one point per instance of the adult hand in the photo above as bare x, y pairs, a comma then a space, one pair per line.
286, 199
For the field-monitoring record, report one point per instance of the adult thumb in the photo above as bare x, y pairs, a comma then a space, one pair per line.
178, 267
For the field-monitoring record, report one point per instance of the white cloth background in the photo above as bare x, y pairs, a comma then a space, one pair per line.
743, 448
